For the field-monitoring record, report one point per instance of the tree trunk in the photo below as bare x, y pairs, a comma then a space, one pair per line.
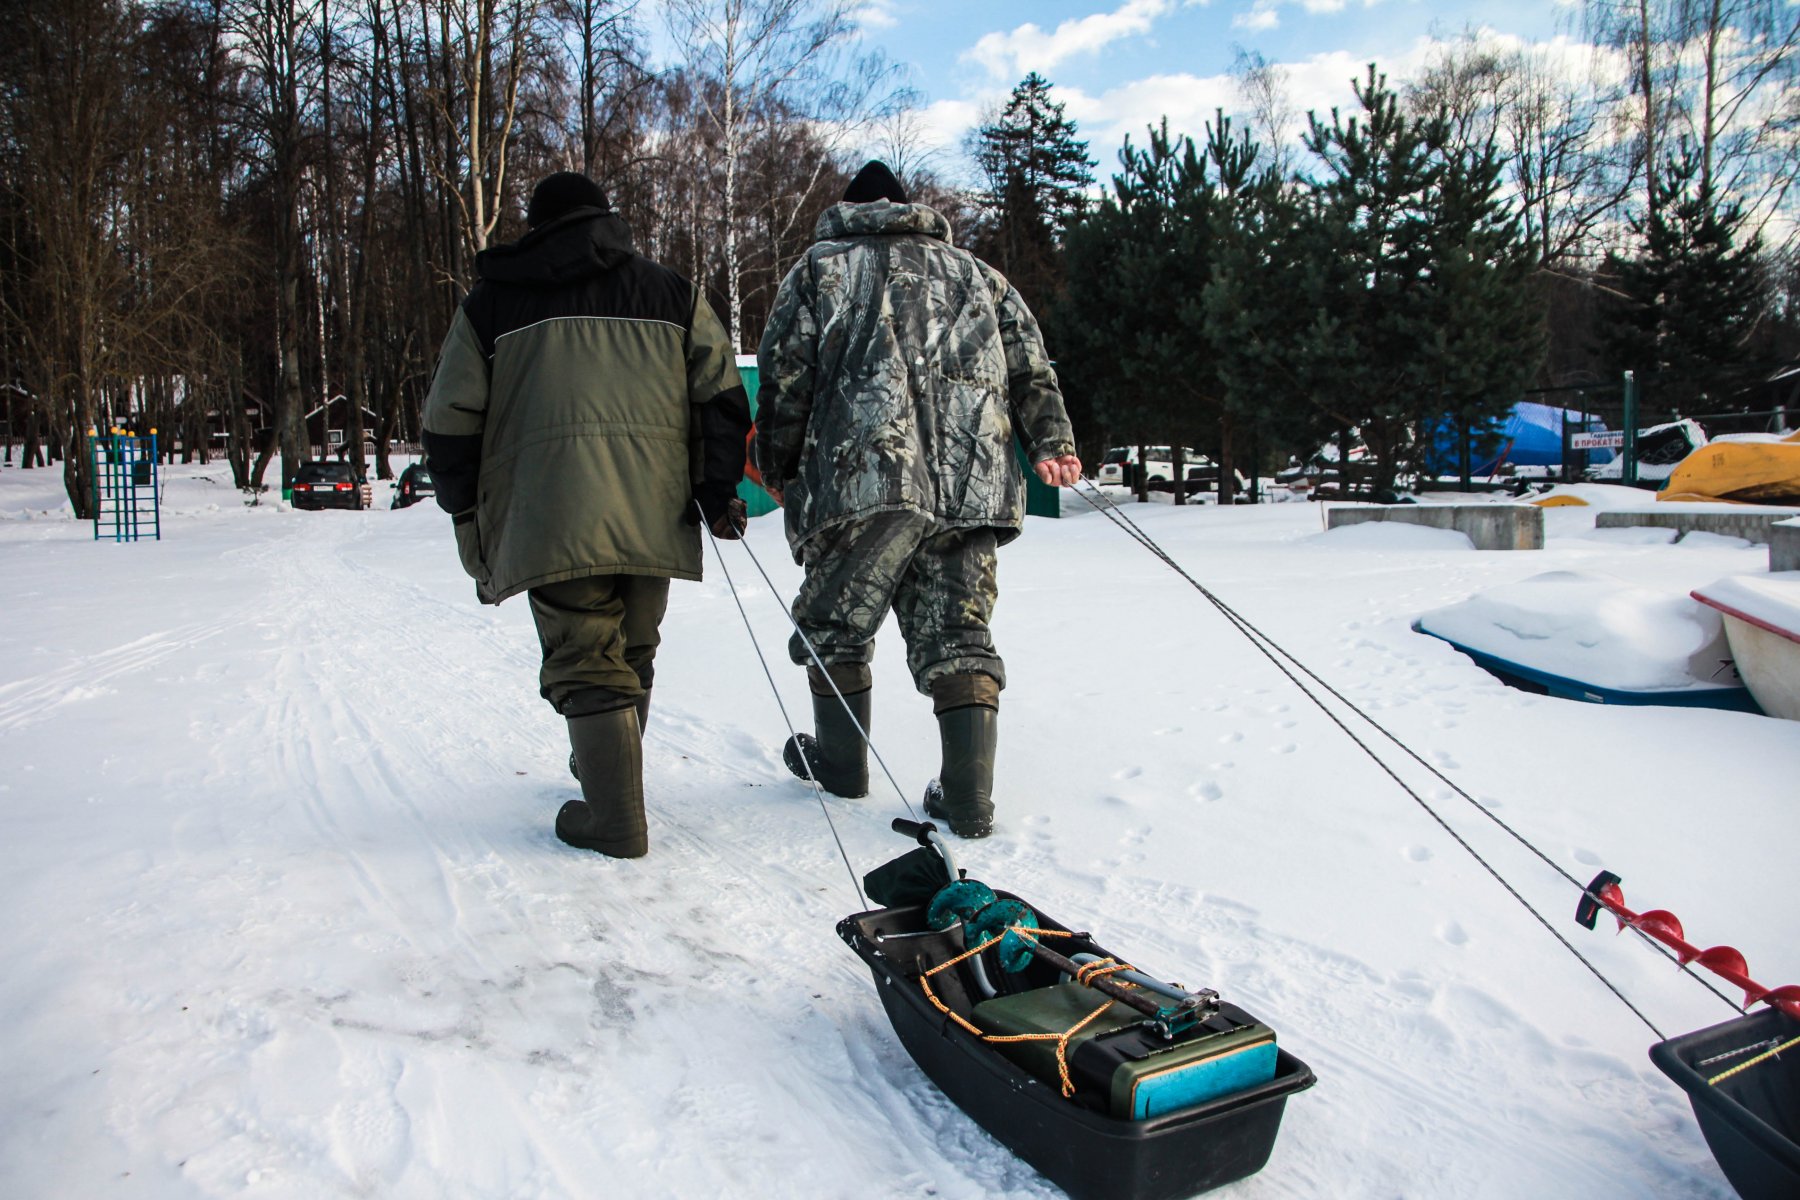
1227, 462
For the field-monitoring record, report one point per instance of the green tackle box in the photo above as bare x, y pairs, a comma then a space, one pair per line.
1118, 1062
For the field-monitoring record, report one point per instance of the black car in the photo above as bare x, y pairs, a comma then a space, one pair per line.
328, 485
414, 485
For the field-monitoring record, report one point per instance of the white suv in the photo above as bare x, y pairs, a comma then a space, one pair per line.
1159, 464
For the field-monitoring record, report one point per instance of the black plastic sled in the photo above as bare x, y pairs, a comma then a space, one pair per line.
1751, 1118
1078, 1146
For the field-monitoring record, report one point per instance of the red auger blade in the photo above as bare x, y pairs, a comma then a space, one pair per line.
1662, 925
1786, 998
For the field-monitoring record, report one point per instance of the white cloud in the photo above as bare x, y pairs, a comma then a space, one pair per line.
1029, 48
875, 14
1257, 20
1266, 14
943, 124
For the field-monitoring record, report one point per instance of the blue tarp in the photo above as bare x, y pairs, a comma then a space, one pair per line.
1531, 437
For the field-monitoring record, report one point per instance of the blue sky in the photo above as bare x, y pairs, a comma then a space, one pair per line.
1119, 65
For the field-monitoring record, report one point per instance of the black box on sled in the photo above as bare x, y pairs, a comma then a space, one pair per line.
1124, 1067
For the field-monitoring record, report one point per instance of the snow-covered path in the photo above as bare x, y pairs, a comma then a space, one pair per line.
285, 916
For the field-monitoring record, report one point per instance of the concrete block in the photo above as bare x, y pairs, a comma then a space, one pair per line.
1739, 521
1784, 545
1489, 526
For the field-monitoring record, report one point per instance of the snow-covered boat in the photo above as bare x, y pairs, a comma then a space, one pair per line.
1582, 636
1762, 624
1148, 1108
1745, 468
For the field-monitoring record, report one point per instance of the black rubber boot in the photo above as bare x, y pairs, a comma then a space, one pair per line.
610, 815
643, 714
836, 751
969, 731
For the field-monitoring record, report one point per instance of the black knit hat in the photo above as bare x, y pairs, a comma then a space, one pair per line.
560, 193
874, 182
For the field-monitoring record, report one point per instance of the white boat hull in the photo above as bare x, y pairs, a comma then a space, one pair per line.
1769, 663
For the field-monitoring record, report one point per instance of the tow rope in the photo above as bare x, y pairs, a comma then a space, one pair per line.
1785, 998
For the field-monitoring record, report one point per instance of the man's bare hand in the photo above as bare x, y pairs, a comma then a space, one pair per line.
1064, 471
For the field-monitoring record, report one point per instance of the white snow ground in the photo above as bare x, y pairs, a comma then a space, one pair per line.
285, 917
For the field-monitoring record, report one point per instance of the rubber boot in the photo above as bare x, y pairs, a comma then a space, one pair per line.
643, 714
968, 716
610, 815
836, 751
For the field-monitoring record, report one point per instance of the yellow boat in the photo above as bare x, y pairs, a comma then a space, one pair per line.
1740, 470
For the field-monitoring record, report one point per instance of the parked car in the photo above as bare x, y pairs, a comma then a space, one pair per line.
329, 485
1119, 466
413, 486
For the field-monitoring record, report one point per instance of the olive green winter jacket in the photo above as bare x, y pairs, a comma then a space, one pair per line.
582, 394
895, 372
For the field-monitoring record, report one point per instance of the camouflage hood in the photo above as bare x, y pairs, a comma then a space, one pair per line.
896, 373
883, 216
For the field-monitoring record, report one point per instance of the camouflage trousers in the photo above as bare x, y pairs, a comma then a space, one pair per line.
599, 635
940, 584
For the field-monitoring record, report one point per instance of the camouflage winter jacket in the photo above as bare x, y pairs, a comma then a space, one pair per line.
894, 374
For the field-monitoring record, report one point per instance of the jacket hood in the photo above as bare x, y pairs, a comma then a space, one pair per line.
578, 244
881, 217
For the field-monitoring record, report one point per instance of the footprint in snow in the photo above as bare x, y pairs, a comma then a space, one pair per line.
1284, 748
1206, 790
1128, 773
1588, 858
1417, 853
1173, 729
1224, 765
1230, 739
1452, 934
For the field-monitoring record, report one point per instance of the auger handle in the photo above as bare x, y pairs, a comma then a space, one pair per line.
1591, 901
919, 831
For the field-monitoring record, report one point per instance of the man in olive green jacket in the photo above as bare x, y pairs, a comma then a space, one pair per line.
585, 415
896, 372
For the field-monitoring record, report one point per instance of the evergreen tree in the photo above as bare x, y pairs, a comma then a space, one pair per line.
1037, 173
1257, 313
1373, 214
1694, 296
1481, 330
1135, 331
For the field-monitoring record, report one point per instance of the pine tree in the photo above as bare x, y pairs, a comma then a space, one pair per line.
1481, 328
1037, 173
1369, 285
1135, 330
1695, 295
1257, 313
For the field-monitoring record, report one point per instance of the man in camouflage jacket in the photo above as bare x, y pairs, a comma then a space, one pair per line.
896, 372
585, 412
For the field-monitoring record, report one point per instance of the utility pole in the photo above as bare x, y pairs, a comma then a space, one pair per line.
1628, 468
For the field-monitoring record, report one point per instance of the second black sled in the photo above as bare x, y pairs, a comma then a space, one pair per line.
1750, 1116
1075, 1142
